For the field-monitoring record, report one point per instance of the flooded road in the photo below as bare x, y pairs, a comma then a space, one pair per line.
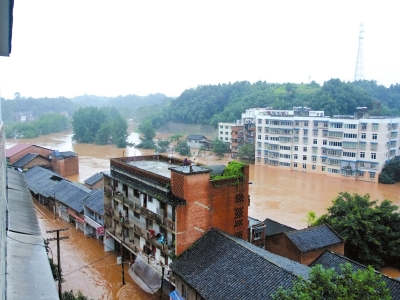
85, 265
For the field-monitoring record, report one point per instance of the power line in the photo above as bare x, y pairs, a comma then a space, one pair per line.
87, 265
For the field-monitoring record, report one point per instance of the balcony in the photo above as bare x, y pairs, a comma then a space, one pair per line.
119, 197
151, 215
169, 224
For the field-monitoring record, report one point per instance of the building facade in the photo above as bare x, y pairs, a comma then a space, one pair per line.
156, 207
343, 146
225, 132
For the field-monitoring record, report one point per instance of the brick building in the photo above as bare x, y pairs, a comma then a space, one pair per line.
65, 163
157, 208
30, 160
18, 151
305, 245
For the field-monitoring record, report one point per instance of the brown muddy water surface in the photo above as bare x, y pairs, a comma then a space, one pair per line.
282, 195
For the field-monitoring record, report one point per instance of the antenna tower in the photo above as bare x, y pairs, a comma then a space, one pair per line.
359, 72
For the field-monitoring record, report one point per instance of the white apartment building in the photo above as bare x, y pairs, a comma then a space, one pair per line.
342, 146
225, 132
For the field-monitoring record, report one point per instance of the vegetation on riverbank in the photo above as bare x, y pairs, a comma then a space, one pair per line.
391, 171
327, 284
371, 231
49, 123
211, 104
99, 126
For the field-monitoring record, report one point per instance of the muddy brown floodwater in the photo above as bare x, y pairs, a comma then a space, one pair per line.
282, 195
85, 266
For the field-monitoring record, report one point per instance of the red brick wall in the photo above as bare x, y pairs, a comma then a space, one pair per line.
309, 257
38, 161
66, 167
32, 149
281, 245
194, 218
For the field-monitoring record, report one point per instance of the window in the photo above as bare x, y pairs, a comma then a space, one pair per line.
374, 136
304, 157
375, 126
238, 212
226, 139
305, 140
184, 291
259, 121
239, 198
295, 164
314, 158
371, 175
323, 168
238, 223
315, 142
336, 125
362, 154
363, 135
304, 166
313, 167
259, 137
266, 137
350, 135
137, 216
349, 154
305, 131
304, 149
305, 124
136, 193
284, 147
296, 148
295, 156
221, 132
350, 126
324, 142
257, 235
335, 144
373, 155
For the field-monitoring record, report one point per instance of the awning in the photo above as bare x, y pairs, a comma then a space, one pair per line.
145, 276
174, 295
75, 216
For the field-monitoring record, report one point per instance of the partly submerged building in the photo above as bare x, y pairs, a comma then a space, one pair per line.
94, 214
156, 208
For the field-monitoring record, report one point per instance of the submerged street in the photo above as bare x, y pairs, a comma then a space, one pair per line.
85, 265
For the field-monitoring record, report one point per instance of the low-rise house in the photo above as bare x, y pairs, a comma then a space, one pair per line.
197, 141
305, 245
220, 266
256, 233
330, 259
94, 214
263, 232
65, 163
31, 160
70, 197
18, 151
95, 181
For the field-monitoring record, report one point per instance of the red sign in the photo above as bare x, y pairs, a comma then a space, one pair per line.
100, 230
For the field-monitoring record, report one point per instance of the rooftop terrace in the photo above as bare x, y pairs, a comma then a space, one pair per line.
158, 167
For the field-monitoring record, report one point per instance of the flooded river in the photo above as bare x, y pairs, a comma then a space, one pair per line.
284, 196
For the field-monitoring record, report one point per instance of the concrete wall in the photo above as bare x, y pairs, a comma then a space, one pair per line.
3, 203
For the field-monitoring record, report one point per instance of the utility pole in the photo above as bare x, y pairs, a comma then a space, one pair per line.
58, 238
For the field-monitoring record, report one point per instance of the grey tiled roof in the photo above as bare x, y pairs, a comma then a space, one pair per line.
71, 194
312, 238
42, 181
94, 178
20, 163
272, 227
196, 137
333, 260
219, 266
95, 201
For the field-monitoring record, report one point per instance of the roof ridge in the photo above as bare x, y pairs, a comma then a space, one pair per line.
248, 248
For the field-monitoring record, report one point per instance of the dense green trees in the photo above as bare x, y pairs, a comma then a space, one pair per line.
225, 102
247, 152
391, 171
327, 284
219, 147
371, 231
46, 124
148, 133
100, 126
182, 148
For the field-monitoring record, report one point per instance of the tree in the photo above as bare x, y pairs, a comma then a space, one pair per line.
327, 284
247, 152
175, 138
162, 146
391, 171
182, 148
219, 147
371, 231
148, 133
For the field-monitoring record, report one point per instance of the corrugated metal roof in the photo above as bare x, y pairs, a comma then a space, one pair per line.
219, 266
71, 194
42, 181
16, 149
95, 201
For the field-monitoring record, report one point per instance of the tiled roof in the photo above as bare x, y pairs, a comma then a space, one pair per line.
42, 181
219, 266
71, 194
313, 238
94, 178
333, 260
20, 163
196, 137
272, 227
95, 201
253, 221
62, 155
16, 149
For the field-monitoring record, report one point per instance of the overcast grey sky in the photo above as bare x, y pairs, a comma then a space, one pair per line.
116, 47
